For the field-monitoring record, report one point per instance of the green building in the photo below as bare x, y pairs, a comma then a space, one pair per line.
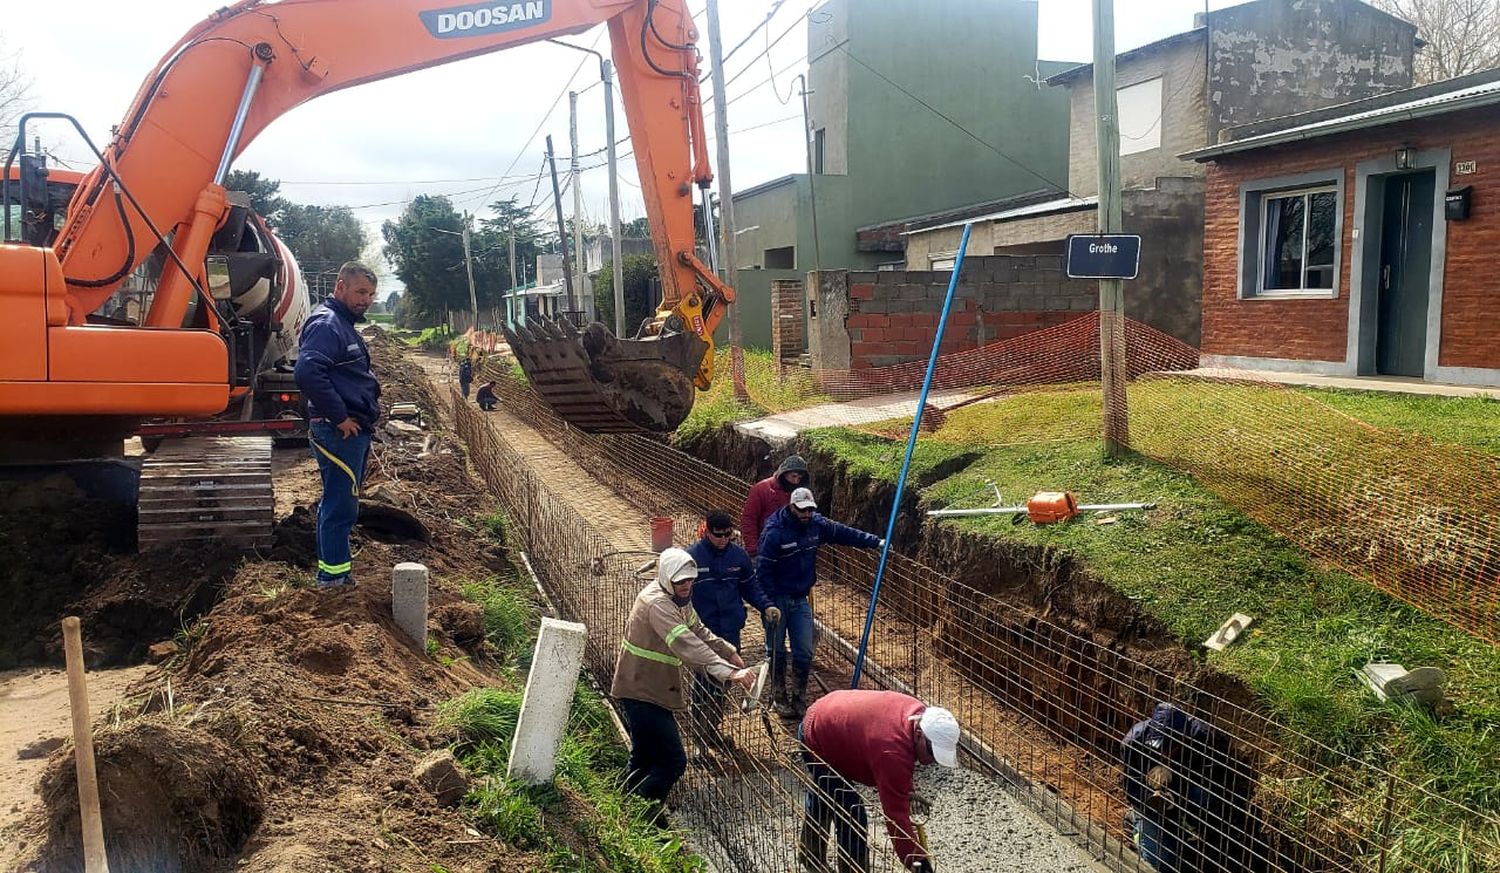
915, 109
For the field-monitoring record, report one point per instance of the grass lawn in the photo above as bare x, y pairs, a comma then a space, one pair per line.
770, 391
1196, 559
1473, 422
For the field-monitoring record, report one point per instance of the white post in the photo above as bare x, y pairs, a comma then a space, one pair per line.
607, 72
409, 601
549, 697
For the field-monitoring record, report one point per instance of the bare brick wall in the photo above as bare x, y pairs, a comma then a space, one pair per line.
786, 319
893, 316
1318, 329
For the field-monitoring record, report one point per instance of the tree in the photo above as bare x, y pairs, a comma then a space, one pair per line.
491, 243
641, 295
1462, 36
15, 95
264, 193
429, 263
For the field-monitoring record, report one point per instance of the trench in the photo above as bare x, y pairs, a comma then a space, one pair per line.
1044, 666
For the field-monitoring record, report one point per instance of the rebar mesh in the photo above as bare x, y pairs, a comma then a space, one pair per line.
1043, 707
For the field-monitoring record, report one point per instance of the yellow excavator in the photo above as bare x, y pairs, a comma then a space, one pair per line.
69, 374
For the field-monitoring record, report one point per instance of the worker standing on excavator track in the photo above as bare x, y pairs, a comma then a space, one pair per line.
663, 633
787, 570
874, 738
343, 403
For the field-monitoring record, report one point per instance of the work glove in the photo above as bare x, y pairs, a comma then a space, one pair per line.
922, 865
920, 806
744, 677
880, 545
773, 616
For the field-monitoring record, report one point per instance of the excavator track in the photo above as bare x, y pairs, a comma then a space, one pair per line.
601, 384
211, 488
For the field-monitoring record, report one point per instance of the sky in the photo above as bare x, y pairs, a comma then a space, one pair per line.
474, 129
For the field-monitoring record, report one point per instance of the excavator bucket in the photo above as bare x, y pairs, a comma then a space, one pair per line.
600, 383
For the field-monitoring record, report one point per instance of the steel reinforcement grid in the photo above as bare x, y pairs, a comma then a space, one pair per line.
1043, 707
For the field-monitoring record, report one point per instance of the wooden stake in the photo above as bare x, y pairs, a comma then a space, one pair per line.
94, 859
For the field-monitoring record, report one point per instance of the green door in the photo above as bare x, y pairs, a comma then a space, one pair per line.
1403, 282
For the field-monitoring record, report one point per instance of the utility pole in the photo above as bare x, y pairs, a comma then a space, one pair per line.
727, 260
607, 71
580, 269
510, 309
562, 230
812, 188
469, 268
1111, 291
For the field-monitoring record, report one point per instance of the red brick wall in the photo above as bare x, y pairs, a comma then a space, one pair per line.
893, 316
1317, 329
787, 322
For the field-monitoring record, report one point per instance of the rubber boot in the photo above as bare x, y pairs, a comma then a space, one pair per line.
854, 865
812, 846
781, 702
799, 694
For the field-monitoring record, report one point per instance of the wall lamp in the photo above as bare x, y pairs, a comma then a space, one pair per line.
1406, 157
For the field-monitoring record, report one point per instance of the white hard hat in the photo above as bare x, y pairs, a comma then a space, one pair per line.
941, 729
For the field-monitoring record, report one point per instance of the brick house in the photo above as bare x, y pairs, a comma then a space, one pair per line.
1359, 239
1241, 64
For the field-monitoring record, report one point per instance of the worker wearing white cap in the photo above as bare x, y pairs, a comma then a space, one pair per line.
661, 635
786, 568
874, 738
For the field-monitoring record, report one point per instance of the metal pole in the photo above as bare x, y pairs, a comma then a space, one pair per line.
580, 269
512, 254
237, 127
728, 262
911, 445
607, 71
1111, 296
469, 267
812, 190
562, 230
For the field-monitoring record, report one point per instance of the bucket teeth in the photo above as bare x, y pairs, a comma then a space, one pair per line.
602, 384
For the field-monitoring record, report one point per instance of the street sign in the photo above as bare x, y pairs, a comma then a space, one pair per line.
1104, 256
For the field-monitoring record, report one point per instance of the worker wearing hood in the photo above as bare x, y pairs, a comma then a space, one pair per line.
769, 495
662, 635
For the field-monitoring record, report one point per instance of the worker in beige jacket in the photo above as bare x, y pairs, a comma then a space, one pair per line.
662, 635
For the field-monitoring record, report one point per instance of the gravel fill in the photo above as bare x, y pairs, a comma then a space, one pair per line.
976, 826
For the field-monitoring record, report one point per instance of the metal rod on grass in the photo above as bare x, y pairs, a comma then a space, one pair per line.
911, 444
94, 858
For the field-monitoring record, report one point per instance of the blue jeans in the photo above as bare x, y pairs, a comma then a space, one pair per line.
342, 464
796, 622
709, 694
656, 757
1156, 843
834, 801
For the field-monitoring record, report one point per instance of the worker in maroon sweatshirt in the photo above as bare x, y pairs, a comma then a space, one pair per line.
875, 738
768, 495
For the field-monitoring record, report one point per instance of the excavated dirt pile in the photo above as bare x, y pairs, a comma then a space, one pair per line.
285, 733
66, 554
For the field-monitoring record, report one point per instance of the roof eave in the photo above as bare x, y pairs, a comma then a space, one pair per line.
1476, 101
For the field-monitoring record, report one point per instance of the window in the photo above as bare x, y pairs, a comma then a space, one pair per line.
1140, 111
820, 144
1298, 241
942, 262
784, 258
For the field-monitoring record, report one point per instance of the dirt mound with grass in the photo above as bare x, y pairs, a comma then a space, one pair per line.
173, 798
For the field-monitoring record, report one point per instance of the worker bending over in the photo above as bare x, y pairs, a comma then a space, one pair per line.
486, 396
662, 633
787, 570
874, 738
726, 582
343, 402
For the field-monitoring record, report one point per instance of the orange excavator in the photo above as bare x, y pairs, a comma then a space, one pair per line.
68, 374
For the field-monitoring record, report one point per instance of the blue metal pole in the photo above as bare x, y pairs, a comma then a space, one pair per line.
911, 444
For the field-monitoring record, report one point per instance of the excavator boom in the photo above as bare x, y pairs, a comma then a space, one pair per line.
246, 65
